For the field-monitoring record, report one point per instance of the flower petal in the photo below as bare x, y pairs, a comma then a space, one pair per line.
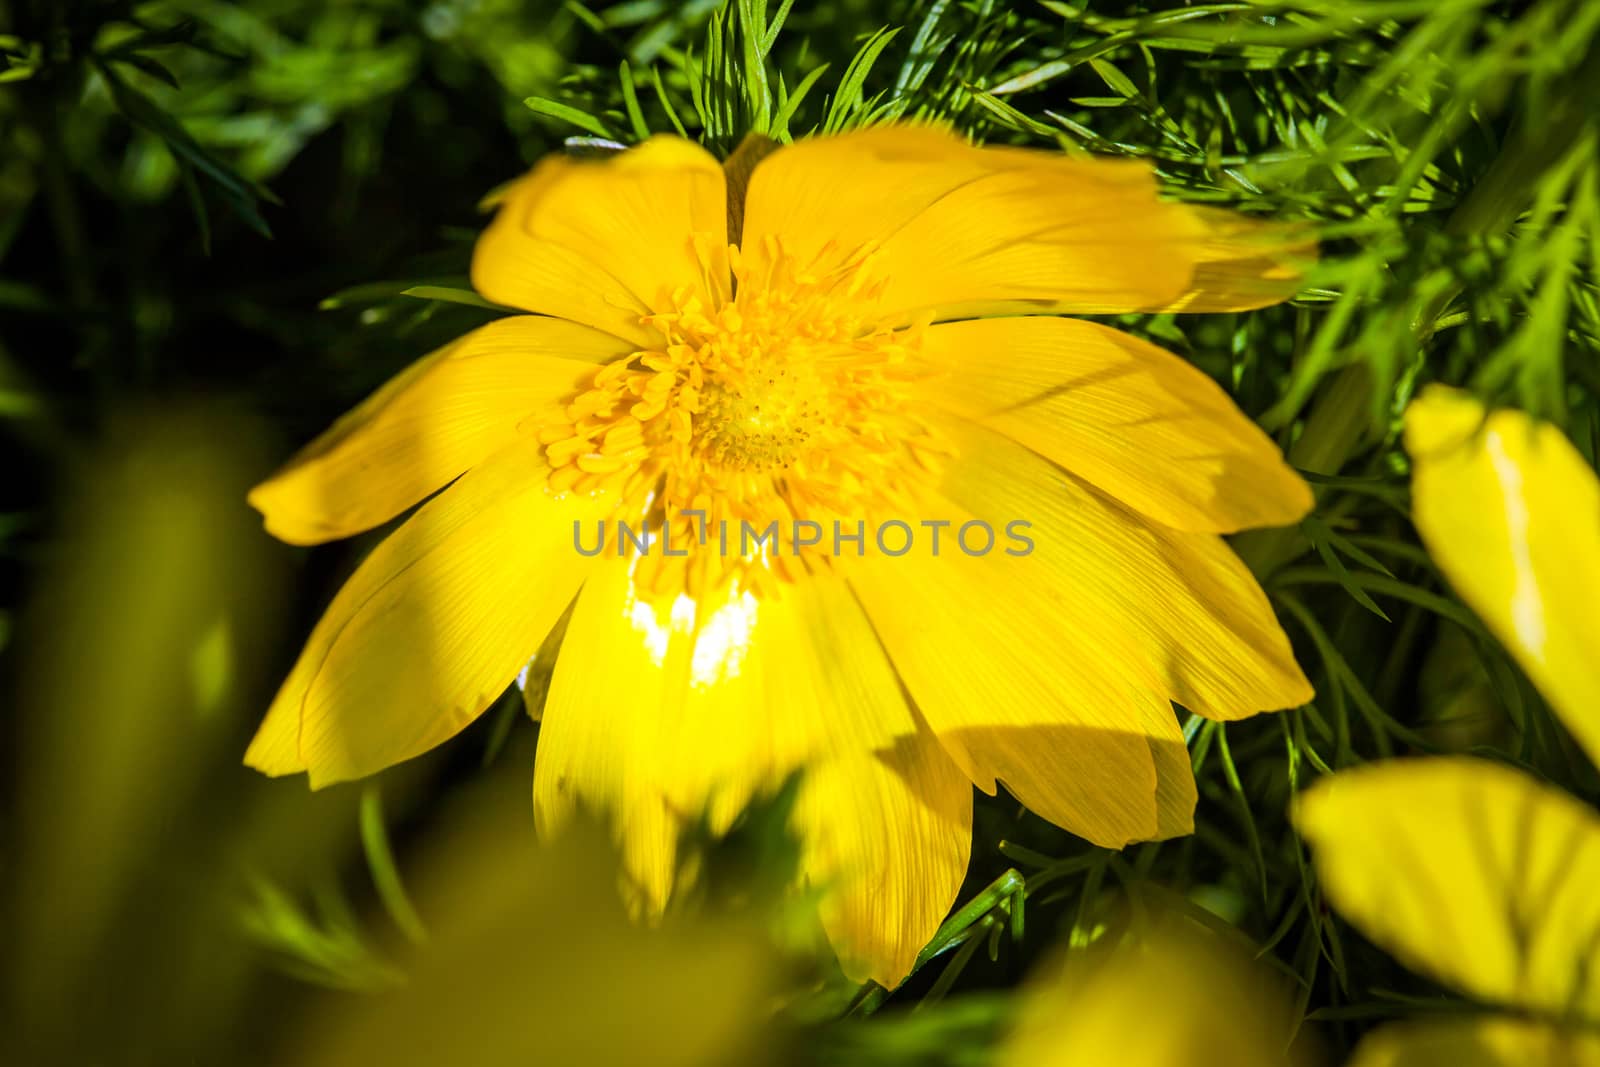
1192, 612
531, 958
1496, 1041
1136, 422
428, 424
432, 626
956, 230
1016, 687
1511, 513
1164, 991
1044, 669
1467, 870
1242, 263
656, 716
604, 242
1176, 793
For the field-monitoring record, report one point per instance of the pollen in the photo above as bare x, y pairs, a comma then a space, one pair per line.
784, 398
764, 419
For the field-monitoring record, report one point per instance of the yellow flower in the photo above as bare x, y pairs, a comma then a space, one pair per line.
825, 366
1472, 872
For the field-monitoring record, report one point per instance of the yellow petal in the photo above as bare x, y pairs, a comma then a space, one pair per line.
654, 715
1243, 263
432, 626
889, 832
1498, 1041
1138, 423
1017, 686
604, 242
1511, 513
1469, 871
956, 230
1193, 613
1174, 995
1176, 793
1044, 669
428, 424
531, 958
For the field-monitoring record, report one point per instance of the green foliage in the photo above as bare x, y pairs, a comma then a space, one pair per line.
198, 195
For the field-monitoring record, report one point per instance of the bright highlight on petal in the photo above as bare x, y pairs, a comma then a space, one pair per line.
1511, 513
628, 728
720, 638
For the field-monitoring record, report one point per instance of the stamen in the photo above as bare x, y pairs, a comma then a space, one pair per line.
782, 400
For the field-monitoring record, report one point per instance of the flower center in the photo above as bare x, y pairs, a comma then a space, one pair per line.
786, 402
760, 419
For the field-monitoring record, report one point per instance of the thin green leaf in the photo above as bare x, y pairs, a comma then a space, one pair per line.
566, 113
385, 875
630, 103
847, 99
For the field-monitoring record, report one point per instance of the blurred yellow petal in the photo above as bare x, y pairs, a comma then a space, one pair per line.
655, 714
606, 242
952, 230
1469, 871
1491, 1042
1511, 513
430, 423
1175, 995
531, 959
432, 626
115, 760
1136, 422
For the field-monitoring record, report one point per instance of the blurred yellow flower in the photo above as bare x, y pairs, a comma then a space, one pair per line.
1470, 871
1218, 1007
793, 342
1483, 878
1497, 1041
530, 958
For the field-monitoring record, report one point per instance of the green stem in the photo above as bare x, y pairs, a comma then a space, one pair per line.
385, 874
